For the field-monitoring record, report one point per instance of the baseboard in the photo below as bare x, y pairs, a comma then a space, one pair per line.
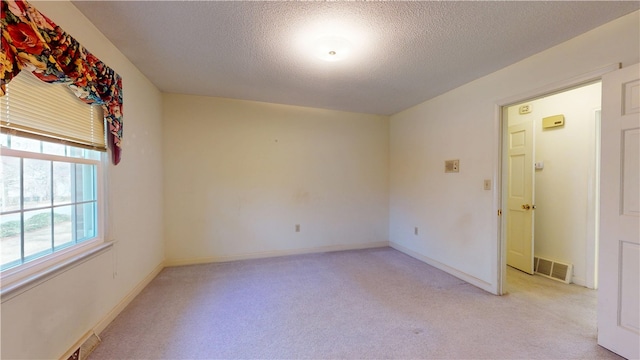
102, 324
579, 280
268, 254
488, 287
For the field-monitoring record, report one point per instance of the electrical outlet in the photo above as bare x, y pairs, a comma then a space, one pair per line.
297, 227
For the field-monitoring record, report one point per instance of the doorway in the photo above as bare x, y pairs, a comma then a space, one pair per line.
550, 208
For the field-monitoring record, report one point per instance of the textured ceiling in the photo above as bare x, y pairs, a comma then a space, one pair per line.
403, 52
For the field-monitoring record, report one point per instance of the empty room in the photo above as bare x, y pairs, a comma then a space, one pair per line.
319, 180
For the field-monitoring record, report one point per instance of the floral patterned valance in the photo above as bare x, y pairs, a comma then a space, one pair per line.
32, 42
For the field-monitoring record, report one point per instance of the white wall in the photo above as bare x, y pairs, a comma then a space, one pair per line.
562, 187
239, 175
45, 321
456, 217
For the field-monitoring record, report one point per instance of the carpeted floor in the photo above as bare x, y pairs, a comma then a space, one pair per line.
365, 304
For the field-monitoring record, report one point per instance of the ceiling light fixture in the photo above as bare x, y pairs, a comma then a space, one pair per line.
331, 48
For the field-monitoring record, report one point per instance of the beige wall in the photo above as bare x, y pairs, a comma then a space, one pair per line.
45, 321
564, 216
239, 175
457, 219
232, 191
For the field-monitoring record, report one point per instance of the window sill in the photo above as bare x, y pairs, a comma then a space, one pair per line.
14, 289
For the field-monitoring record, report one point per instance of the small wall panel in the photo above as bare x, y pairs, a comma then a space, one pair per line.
518, 222
517, 176
630, 189
518, 139
631, 97
629, 297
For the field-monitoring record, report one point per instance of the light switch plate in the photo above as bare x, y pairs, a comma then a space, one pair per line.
452, 166
487, 184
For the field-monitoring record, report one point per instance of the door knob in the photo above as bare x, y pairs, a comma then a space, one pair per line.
526, 206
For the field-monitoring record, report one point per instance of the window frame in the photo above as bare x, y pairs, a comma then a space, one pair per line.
33, 270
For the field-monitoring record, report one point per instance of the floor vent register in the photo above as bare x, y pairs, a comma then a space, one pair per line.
553, 269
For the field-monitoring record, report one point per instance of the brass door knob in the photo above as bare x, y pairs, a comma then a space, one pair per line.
526, 206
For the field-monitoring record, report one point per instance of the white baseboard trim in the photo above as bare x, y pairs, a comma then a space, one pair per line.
579, 280
102, 324
268, 254
488, 287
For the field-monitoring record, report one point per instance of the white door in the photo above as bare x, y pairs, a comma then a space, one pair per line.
619, 267
520, 196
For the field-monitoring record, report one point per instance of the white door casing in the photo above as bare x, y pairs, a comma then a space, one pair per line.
619, 254
520, 196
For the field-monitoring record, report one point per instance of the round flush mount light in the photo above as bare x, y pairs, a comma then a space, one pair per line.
331, 48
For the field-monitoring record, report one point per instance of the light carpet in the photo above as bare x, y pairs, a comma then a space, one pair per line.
364, 304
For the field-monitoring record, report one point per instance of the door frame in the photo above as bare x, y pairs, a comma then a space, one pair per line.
499, 173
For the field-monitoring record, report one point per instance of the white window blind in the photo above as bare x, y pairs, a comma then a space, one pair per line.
35, 109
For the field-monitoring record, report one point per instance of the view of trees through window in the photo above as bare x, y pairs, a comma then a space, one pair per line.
48, 198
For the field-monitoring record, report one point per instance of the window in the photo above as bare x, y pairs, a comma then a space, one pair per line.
48, 198
50, 181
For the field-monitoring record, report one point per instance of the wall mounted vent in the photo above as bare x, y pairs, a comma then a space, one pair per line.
553, 121
553, 269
